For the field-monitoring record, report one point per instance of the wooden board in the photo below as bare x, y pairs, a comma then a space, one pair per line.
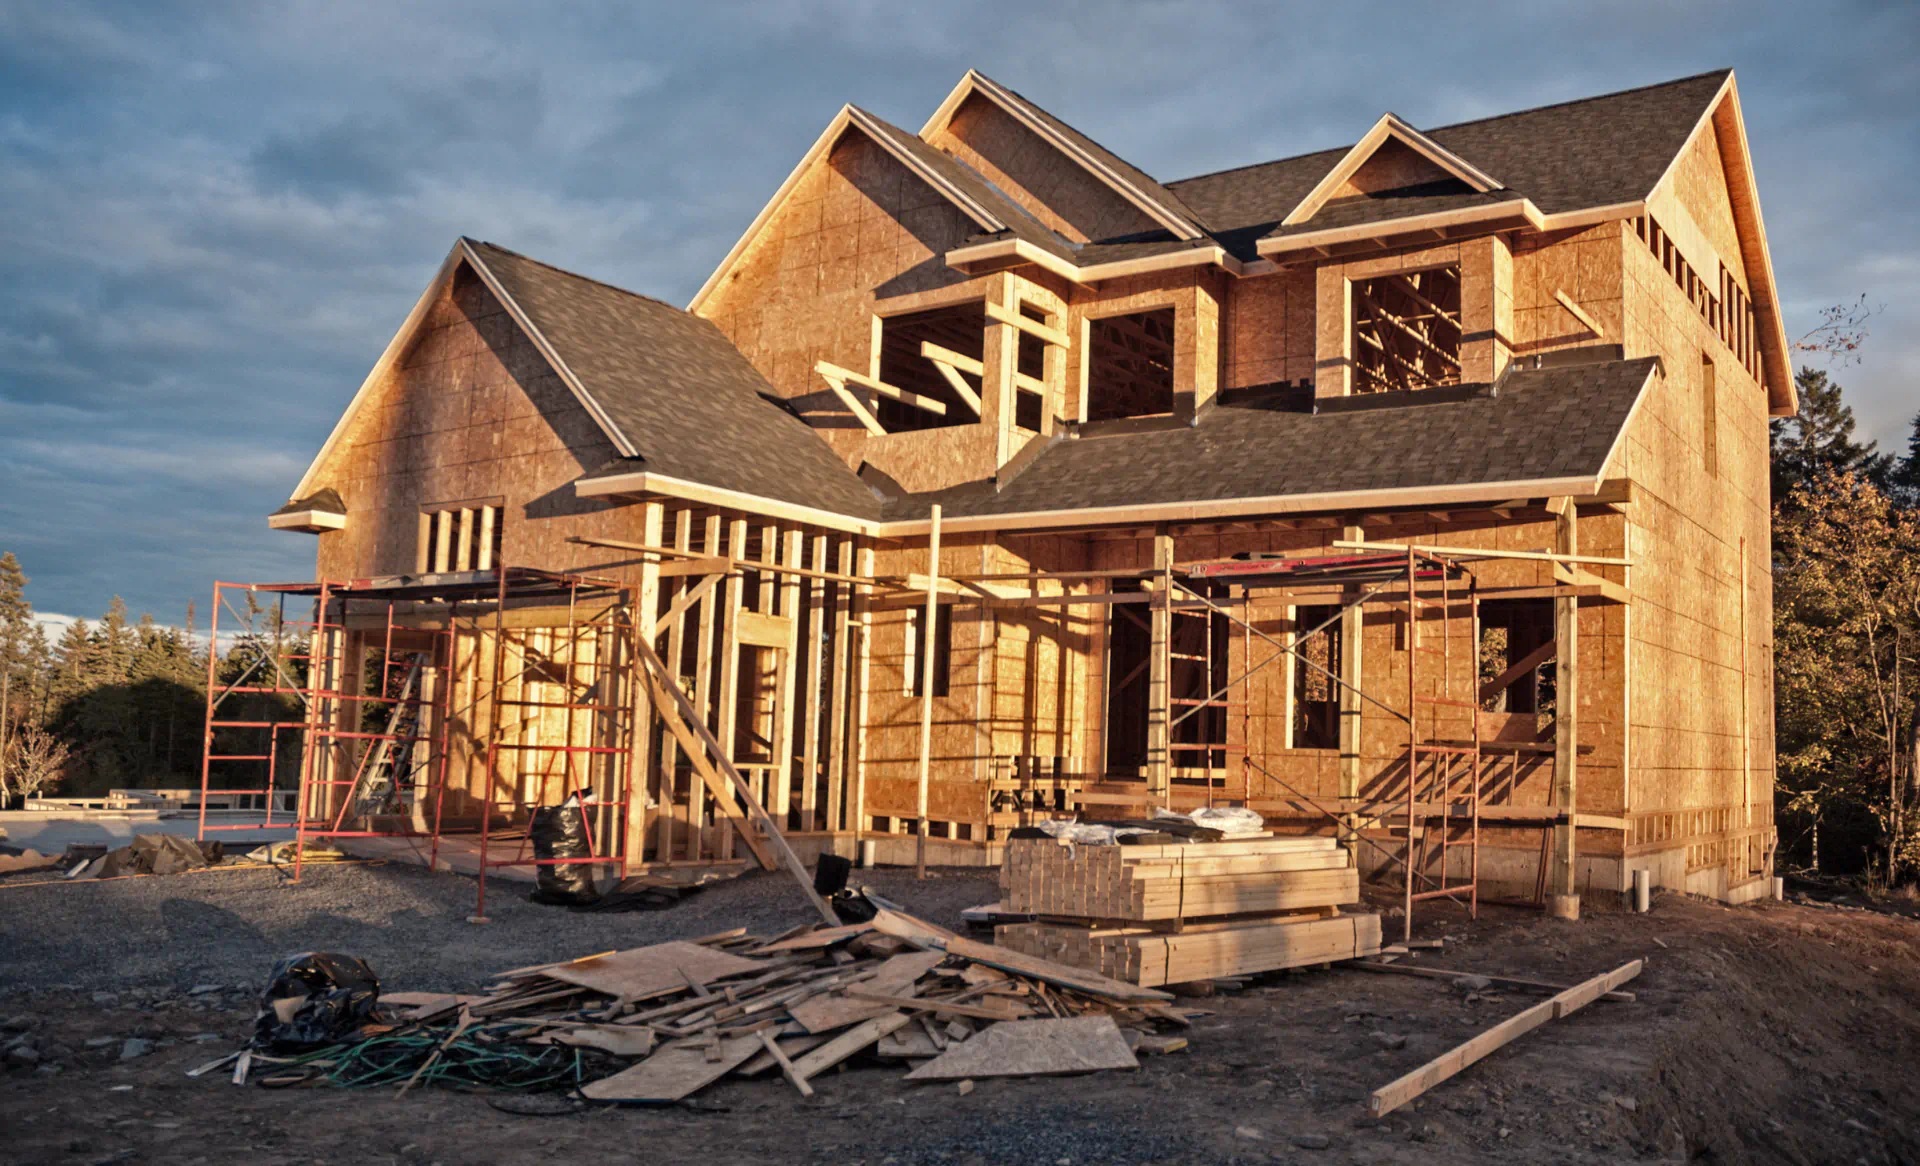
848, 1043
1034, 1048
896, 978
1390, 1097
629, 1042
648, 971
1008, 960
672, 1073
1211, 951
825, 937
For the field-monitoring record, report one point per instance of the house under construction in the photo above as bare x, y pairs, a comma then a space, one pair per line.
1413, 491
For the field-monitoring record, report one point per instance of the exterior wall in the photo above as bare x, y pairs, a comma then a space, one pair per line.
1269, 332
1701, 780
1199, 299
1585, 266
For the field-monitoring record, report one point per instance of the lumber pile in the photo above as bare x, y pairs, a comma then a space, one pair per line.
656, 1024
1179, 912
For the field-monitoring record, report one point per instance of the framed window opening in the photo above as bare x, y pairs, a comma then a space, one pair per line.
935, 354
1313, 720
942, 650
460, 536
1405, 330
1128, 366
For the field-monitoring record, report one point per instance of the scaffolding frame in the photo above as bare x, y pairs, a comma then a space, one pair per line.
1433, 809
338, 754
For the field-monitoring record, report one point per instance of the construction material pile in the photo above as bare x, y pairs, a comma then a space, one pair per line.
1178, 907
656, 1024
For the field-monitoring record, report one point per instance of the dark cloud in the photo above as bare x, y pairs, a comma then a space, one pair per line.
216, 216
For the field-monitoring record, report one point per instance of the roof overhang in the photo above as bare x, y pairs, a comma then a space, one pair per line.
1389, 126
642, 485
1316, 245
999, 254
849, 117
307, 521
1023, 112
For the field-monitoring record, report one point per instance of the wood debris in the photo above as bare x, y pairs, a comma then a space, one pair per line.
654, 1025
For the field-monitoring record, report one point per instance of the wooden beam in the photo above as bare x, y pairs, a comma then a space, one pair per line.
1007, 315
833, 372
1526, 664
854, 405
1160, 672
646, 605
1392, 1096
959, 385
861, 681
1414, 293
684, 598
786, 682
1574, 310
952, 359
727, 700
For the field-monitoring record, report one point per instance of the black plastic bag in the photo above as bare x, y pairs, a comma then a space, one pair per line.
561, 832
331, 996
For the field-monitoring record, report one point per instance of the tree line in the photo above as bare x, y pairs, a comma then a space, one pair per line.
1846, 625
117, 703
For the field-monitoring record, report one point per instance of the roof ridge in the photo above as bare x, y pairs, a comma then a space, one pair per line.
576, 275
1453, 125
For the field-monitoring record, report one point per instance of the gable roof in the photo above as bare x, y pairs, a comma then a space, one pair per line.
1123, 177
1576, 155
1389, 128
668, 388
1539, 431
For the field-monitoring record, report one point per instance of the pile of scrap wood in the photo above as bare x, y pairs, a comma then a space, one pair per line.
654, 1025
1185, 909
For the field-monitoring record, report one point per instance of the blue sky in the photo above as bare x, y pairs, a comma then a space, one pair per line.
216, 215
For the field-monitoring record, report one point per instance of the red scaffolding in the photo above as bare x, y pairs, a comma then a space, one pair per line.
378, 739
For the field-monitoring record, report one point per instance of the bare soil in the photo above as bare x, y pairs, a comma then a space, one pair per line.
1768, 1033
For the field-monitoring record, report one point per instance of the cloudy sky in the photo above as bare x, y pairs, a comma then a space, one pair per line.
216, 215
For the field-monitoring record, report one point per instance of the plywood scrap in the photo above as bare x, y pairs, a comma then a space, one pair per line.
641, 972
1034, 1048
672, 1073
860, 1036
621, 1042
793, 1046
825, 937
1392, 1096
896, 977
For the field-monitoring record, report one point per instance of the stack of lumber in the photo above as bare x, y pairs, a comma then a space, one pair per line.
655, 1024
1168, 914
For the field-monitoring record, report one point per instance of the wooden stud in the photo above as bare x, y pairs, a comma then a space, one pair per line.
929, 637
789, 666
840, 768
676, 647
1159, 675
815, 602
1563, 893
729, 695
639, 758
862, 686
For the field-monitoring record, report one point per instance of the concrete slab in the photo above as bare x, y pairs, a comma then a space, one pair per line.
50, 833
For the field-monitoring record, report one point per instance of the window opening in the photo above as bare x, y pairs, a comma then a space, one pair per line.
1511, 630
926, 353
1316, 698
1130, 366
942, 650
1406, 330
460, 536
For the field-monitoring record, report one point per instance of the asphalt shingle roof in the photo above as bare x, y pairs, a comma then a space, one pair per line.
1542, 423
677, 390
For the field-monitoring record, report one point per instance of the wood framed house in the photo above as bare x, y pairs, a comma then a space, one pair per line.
1139, 420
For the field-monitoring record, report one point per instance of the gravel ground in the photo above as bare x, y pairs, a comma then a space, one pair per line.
229, 927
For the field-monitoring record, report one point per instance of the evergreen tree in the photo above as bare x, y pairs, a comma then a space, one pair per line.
1905, 477
1820, 437
16, 619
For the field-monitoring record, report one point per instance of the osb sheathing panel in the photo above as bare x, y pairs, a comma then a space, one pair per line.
1026, 168
1269, 330
1583, 264
1691, 640
470, 412
1699, 181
